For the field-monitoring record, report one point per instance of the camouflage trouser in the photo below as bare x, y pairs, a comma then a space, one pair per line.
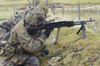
31, 61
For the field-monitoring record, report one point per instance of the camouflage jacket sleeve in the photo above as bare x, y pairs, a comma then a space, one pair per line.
29, 44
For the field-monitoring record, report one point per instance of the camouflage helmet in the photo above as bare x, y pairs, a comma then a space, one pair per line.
34, 16
45, 9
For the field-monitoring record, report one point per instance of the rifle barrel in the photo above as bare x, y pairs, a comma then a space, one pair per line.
58, 24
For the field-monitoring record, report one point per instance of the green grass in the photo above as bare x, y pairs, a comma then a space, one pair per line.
90, 46
3, 2
76, 1
6, 12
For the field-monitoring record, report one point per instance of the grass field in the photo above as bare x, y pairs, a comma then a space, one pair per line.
76, 1
80, 52
3, 2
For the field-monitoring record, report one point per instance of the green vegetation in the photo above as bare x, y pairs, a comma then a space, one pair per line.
76, 1
83, 52
3, 2
6, 12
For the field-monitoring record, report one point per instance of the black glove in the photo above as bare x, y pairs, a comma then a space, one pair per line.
44, 52
47, 32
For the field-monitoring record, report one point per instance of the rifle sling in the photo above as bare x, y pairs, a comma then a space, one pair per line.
61, 50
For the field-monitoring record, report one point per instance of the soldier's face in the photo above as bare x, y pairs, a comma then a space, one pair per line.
30, 31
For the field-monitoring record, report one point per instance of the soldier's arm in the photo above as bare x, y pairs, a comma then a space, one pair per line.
2, 26
29, 44
6, 36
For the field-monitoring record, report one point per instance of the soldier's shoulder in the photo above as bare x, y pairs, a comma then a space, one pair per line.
19, 27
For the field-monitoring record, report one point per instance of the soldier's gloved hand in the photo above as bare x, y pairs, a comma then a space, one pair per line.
47, 32
44, 52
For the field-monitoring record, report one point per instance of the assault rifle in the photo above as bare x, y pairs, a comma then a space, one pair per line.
58, 24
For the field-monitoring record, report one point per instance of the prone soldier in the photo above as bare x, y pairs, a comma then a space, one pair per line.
7, 26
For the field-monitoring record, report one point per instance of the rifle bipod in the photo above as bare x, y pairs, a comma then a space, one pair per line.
61, 50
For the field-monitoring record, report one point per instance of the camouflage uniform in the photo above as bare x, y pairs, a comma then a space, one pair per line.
21, 48
6, 27
2, 33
